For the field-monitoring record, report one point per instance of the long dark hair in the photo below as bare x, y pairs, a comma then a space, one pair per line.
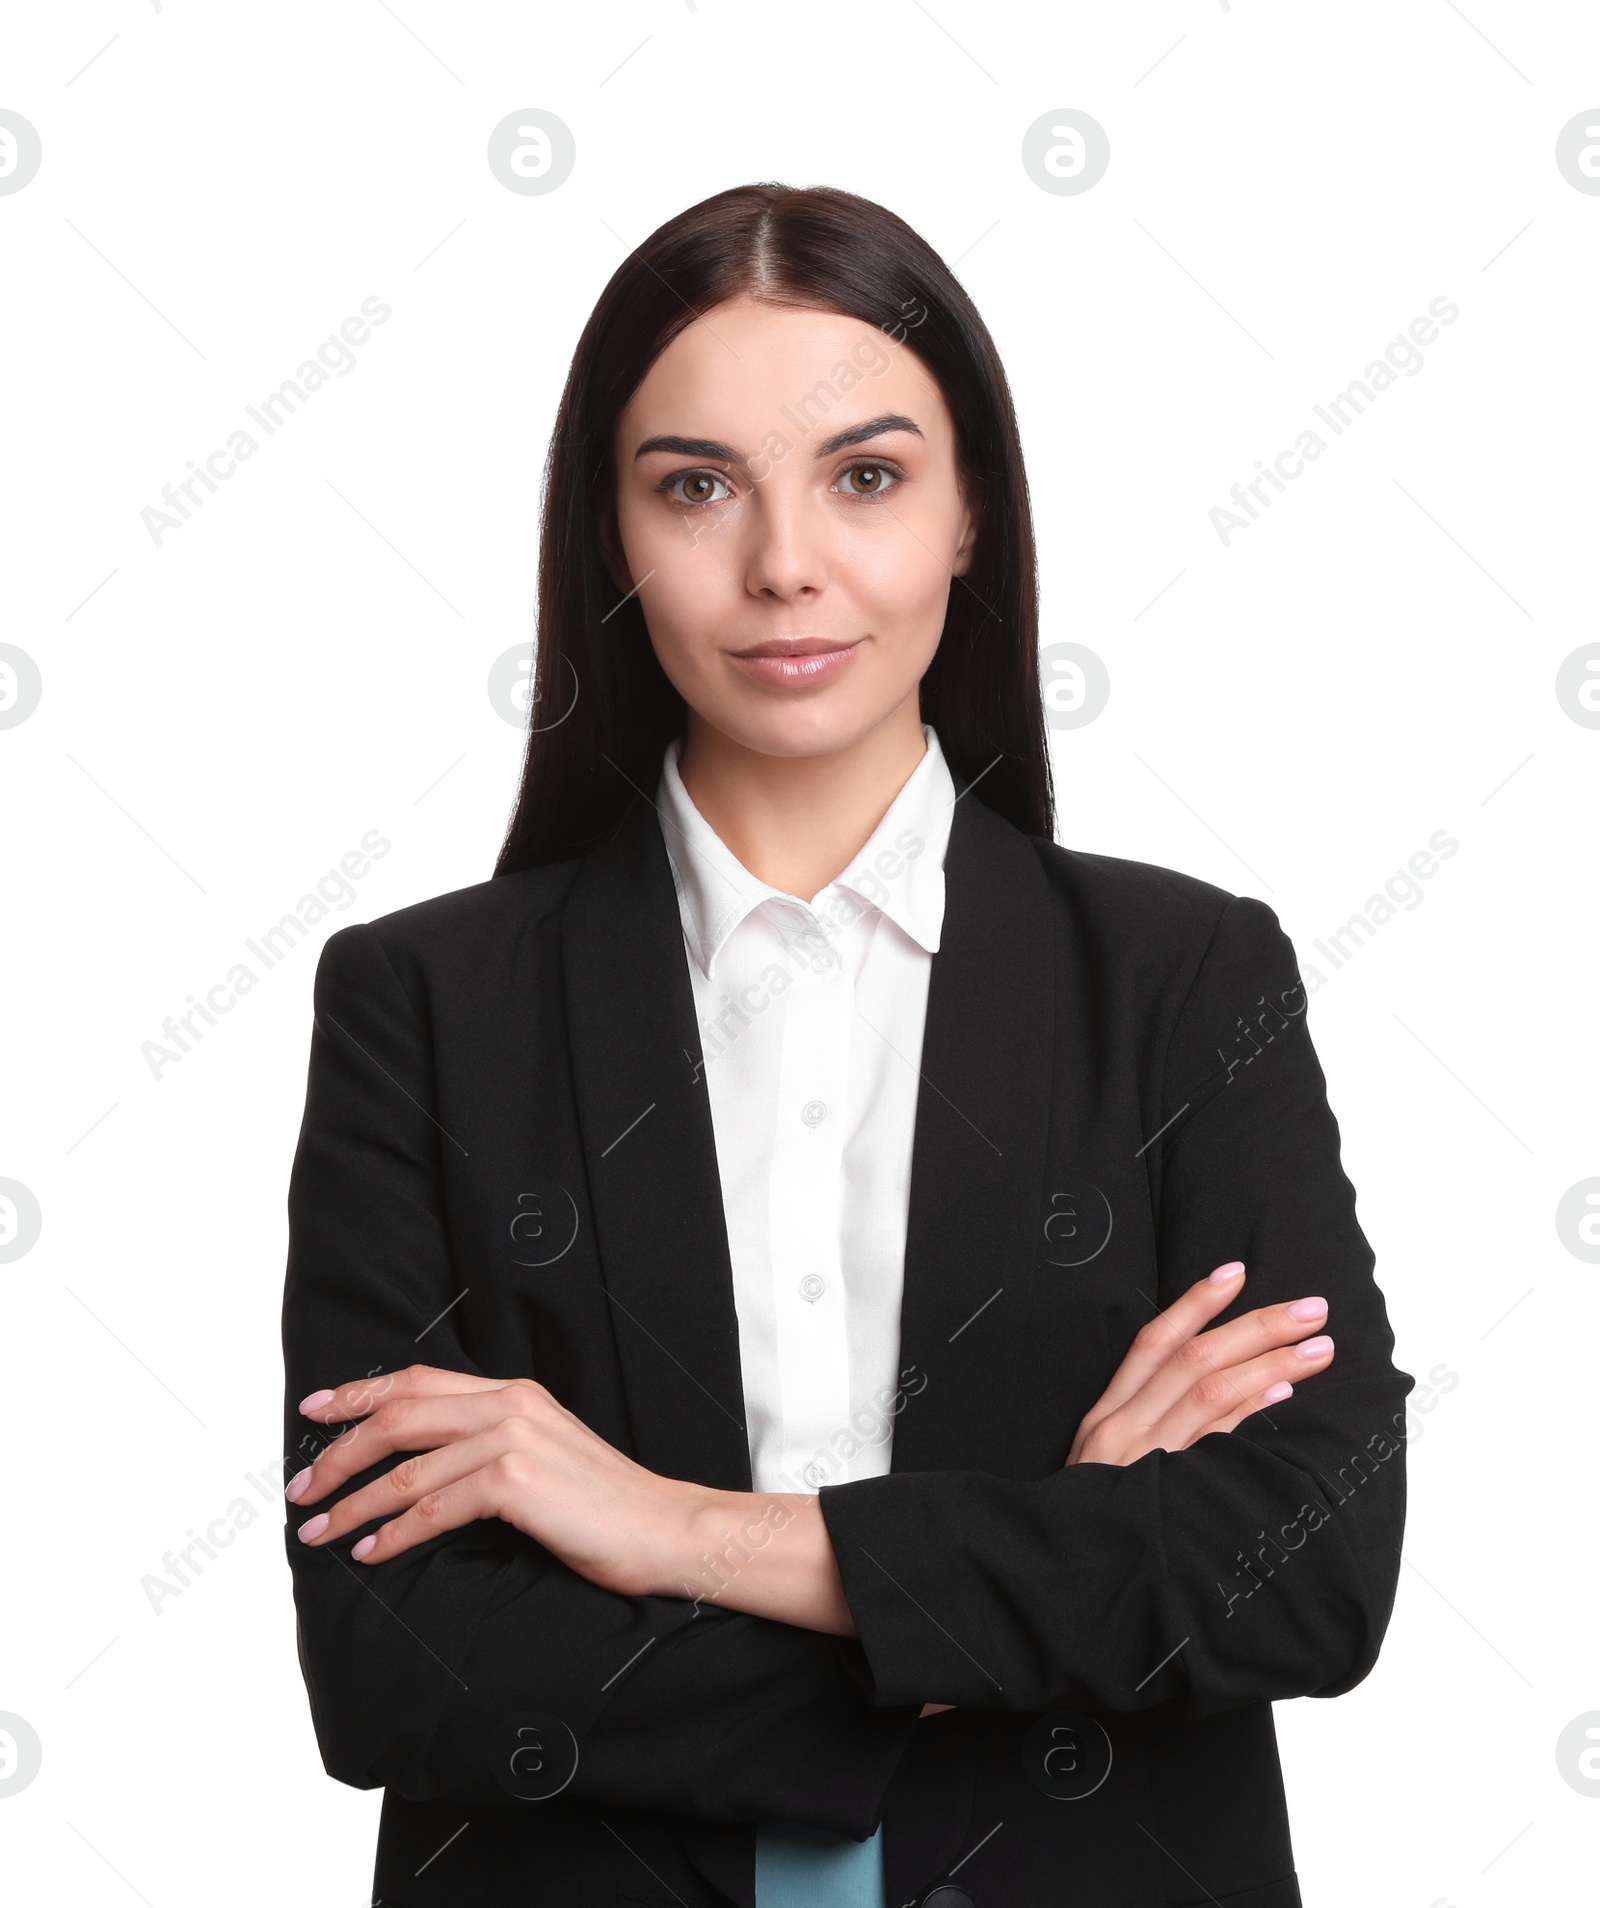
603, 710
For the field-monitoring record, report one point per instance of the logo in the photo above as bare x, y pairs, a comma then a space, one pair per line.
532, 151
540, 1222
1065, 151
1077, 1223
1066, 1755
535, 1756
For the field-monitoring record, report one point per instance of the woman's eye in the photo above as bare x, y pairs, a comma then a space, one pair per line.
868, 480
697, 487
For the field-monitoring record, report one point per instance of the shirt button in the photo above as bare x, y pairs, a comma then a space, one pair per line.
814, 1112
812, 1287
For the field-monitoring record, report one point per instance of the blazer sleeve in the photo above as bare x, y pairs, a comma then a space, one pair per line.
1259, 1563
419, 1670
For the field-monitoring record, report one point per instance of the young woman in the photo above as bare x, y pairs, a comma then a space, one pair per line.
808, 1308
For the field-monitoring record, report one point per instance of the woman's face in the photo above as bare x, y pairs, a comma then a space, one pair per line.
790, 516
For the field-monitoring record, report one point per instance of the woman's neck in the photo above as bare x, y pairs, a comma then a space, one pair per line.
797, 821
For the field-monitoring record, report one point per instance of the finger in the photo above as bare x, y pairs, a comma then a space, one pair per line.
407, 1483
1306, 1365
468, 1499
1155, 1342
339, 1404
1266, 1329
1277, 1394
1240, 1389
399, 1424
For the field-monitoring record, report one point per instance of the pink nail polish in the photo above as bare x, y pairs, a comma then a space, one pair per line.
1314, 1347
1275, 1394
294, 1490
316, 1401
314, 1529
1308, 1308
1229, 1271
363, 1549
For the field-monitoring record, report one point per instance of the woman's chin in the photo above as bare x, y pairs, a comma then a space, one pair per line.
797, 726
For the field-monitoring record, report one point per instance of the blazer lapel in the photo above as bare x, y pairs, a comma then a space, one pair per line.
979, 1153
650, 1154
978, 1162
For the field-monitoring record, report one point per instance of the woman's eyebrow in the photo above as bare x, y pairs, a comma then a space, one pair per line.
690, 447
721, 453
859, 433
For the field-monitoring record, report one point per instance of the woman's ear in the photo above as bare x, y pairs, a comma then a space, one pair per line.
967, 541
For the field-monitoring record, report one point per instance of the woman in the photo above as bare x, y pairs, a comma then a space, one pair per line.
778, 1253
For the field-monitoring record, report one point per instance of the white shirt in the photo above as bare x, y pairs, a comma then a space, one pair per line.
811, 1020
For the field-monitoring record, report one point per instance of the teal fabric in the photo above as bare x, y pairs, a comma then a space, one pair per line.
809, 1868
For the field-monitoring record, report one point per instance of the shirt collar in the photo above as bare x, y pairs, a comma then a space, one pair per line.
899, 872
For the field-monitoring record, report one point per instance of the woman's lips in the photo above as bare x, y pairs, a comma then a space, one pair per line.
795, 665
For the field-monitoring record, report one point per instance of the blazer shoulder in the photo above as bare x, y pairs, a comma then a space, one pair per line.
1163, 930
463, 925
1137, 897
1176, 947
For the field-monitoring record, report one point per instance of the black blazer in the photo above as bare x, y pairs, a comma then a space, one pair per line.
507, 1167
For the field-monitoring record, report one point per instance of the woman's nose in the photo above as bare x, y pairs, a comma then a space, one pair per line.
788, 550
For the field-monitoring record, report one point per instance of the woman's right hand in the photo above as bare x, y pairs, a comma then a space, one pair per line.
1178, 1382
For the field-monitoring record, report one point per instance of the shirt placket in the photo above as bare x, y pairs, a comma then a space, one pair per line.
809, 1300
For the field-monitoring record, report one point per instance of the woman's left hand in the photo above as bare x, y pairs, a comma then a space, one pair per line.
489, 1447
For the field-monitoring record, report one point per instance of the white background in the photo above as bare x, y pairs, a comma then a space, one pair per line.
1291, 716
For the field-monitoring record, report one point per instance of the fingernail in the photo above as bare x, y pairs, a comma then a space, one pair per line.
1314, 1347
1308, 1308
316, 1401
318, 1524
295, 1488
363, 1549
1275, 1394
1229, 1271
